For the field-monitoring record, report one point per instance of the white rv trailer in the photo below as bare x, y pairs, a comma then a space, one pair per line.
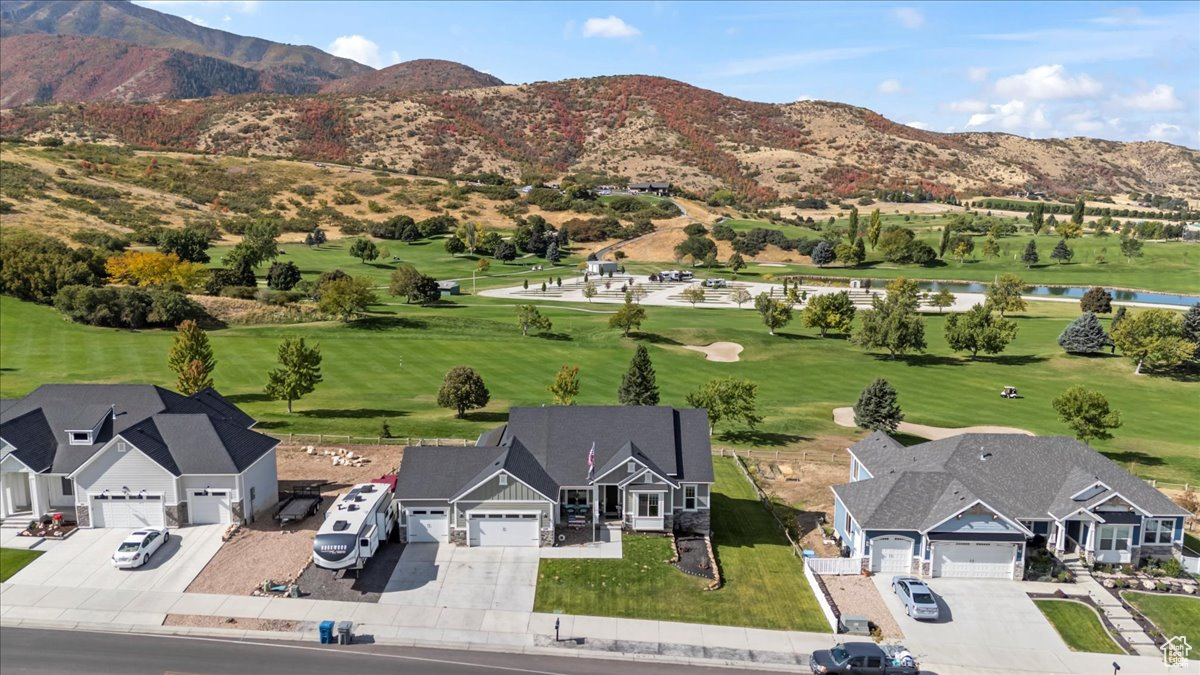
354, 527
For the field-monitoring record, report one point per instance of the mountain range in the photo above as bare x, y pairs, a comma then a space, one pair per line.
148, 78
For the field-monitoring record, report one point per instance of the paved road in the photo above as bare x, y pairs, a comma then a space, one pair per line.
24, 650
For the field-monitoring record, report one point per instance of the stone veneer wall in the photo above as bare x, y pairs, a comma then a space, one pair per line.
83, 515
547, 537
694, 521
458, 537
239, 511
177, 514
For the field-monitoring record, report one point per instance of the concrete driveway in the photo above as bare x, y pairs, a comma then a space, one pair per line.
988, 623
455, 577
85, 561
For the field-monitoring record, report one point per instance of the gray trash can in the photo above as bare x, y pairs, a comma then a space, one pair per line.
345, 637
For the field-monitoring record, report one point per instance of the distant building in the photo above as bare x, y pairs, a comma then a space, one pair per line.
660, 189
449, 287
601, 267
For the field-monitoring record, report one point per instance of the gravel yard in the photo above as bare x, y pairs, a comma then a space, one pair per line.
263, 550
855, 594
364, 586
204, 621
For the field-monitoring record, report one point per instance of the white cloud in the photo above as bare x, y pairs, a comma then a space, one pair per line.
1047, 82
804, 97
196, 20
917, 125
891, 86
359, 48
909, 17
977, 73
1161, 131
1161, 97
1016, 115
1088, 122
612, 27
227, 18
791, 60
969, 105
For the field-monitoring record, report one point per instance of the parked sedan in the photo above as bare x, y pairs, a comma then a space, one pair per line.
918, 600
137, 548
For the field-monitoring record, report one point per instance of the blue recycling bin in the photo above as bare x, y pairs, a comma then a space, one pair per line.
326, 631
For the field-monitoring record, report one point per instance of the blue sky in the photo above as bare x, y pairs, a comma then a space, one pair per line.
1125, 71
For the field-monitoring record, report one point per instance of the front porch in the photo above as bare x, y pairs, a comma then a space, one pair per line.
639, 509
25, 495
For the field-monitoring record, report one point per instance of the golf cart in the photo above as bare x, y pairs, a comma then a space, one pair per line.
1009, 392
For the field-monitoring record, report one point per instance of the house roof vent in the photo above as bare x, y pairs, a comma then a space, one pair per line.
985, 456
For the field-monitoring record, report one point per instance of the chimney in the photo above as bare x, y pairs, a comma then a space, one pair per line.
114, 411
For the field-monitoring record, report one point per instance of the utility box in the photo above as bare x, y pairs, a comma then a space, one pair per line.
856, 624
345, 637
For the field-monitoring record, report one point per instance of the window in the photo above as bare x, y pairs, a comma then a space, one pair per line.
81, 438
846, 528
648, 506
853, 469
1160, 531
68, 486
629, 467
503, 479
1114, 537
689, 497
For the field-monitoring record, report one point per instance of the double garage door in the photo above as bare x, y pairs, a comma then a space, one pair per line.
504, 529
427, 526
127, 511
975, 560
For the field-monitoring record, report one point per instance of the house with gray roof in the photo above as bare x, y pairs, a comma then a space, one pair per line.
132, 455
969, 505
555, 467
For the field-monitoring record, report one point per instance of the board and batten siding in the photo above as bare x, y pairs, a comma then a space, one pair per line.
260, 485
113, 469
493, 490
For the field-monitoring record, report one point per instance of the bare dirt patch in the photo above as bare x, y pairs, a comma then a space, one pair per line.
202, 621
263, 550
726, 352
855, 594
803, 488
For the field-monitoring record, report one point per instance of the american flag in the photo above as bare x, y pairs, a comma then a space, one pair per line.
592, 460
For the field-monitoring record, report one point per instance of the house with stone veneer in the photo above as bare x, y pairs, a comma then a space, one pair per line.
130, 455
523, 482
970, 505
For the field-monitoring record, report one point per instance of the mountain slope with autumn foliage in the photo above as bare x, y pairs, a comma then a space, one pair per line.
638, 127
412, 76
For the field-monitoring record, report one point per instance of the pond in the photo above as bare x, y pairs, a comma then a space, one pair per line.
1065, 292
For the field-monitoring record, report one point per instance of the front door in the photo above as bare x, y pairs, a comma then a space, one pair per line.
612, 501
1072, 542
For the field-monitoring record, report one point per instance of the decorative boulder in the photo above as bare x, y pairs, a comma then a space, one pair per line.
1149, 584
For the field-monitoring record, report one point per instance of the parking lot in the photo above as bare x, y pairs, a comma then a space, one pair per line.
85, 561
977, 613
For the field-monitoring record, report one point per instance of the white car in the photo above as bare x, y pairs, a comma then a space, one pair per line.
137, 548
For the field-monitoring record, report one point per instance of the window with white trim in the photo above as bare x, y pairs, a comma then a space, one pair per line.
503, 479
68, 486
629, 467
81, 438
1114, 537
648, 505
689, 497
1158, 531
846, 527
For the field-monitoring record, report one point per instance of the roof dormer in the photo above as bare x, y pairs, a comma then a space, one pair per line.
84, 429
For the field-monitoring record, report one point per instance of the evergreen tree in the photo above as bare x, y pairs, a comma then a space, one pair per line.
552, 253
1062, 253
874, 229
639, 387
976, 330
283, 276
1038, 217
300, 372
1077, 213
463, 389
1030, 256
191, 358
1096, 300
877, 408
860, 251
1191, 328
823, 254
1084, 335
945, 242
853, 222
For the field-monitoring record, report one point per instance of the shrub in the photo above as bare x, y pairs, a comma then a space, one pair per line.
1172, 567
242, 292
123, 307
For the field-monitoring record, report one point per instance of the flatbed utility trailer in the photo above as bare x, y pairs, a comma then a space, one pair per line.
300, 504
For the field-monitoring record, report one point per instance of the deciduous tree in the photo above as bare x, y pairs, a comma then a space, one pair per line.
188, 244
874, 228
347, 297
299, 374
741, 296
629, 317
942, 299
463, 389
283, 276
191, 358
775, 314
1131, 247
727, 399
1153, 338
455, 246
977, 330
364, 250
403, 282
1096, 300
151, 268
528, 317
693, 294
639, 386
1037, 218
1087, 413
877, 408
1005, 294
830, 311
565, 388
589, 290
893, 323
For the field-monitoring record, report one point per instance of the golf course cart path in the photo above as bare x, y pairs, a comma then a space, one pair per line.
726, 352
845, 417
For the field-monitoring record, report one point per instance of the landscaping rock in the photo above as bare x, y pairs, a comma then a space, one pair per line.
1109, 583
1148, 584
1190, 589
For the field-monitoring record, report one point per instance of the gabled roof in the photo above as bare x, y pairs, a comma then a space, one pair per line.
1020, 477
628, 452
203, 433
517, 462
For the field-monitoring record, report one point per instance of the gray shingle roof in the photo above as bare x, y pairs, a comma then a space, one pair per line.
548, 448
1022, 477
204, 433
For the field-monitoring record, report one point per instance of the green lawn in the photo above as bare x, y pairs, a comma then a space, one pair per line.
764, 582
1079, 626
389, 368
1174, 615
12, 560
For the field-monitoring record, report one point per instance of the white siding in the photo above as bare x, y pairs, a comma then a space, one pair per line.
57, 498
261, 477
114, 470
217, 482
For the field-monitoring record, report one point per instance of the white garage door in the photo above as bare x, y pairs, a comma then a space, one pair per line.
986, 561
427, 526
209, 506
504, 529
892, 555
127, 511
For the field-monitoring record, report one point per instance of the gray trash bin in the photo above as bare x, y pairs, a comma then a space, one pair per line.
345, 637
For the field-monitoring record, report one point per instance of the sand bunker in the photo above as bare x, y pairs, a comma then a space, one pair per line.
845, 417
718, 351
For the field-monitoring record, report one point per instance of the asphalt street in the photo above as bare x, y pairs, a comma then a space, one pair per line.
24, 650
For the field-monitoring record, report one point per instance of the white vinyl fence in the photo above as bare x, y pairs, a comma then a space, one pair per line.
834, 566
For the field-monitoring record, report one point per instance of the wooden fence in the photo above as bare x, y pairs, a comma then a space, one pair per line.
326, 439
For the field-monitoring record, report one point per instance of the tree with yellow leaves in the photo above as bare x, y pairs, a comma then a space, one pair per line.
152, 268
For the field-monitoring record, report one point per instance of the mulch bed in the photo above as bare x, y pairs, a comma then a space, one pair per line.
1087, 600
365, 585
693, 557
